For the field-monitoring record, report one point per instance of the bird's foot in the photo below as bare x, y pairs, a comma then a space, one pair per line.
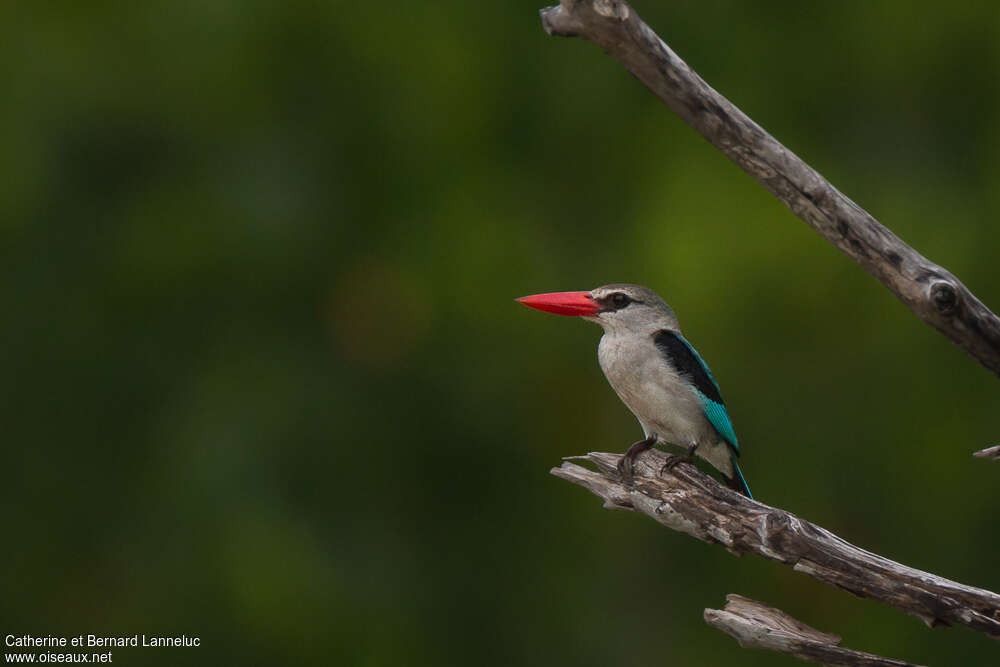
626, 464
625, 469
674, 460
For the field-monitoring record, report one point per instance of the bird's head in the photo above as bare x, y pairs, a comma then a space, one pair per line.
619, 307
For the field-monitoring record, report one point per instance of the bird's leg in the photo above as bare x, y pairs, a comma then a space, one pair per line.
673, 459
627, 462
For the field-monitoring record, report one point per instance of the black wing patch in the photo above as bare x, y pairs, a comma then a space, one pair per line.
687, 362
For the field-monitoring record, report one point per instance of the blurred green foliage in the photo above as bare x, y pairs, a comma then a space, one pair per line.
265, 383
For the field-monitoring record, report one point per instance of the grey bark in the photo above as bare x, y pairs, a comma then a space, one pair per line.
691, 502
930, 291
989, 453
757, 625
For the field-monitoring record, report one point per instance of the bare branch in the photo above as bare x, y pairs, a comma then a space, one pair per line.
757, 625
689, 501
989, 453
930, 291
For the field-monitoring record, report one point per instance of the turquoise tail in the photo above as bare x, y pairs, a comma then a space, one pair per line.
738, 483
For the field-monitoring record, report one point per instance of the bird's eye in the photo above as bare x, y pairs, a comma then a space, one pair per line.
620, 300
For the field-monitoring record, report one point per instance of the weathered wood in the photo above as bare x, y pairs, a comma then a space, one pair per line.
757, 625
989, 453
691, 502
930, 291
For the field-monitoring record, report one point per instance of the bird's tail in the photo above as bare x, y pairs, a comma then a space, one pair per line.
737, 482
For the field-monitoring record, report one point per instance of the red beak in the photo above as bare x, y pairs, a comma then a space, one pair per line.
562, 303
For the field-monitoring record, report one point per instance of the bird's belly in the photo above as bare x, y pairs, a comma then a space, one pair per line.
675, 418
659, 398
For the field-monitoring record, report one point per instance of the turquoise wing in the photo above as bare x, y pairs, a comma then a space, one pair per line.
719, 418
689, 363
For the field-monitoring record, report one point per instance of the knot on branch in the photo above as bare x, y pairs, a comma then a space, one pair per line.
573, 18
611, 9
944, 296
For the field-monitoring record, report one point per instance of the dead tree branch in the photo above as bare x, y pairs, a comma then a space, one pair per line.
757, 625
930, 291
989, 453
691, 502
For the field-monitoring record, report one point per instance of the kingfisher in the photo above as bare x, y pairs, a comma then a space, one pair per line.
657, 374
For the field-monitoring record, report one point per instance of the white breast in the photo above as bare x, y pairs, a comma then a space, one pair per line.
660, 399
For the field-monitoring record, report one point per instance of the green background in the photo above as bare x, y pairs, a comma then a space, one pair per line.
264, 381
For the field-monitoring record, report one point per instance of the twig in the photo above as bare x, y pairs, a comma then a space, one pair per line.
689, 501
989, 453
931, 292
757, 625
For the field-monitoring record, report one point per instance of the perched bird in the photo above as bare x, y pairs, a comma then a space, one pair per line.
656, 373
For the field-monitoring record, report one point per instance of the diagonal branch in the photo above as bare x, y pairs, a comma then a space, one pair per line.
692, 502
931, 291
757, 625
